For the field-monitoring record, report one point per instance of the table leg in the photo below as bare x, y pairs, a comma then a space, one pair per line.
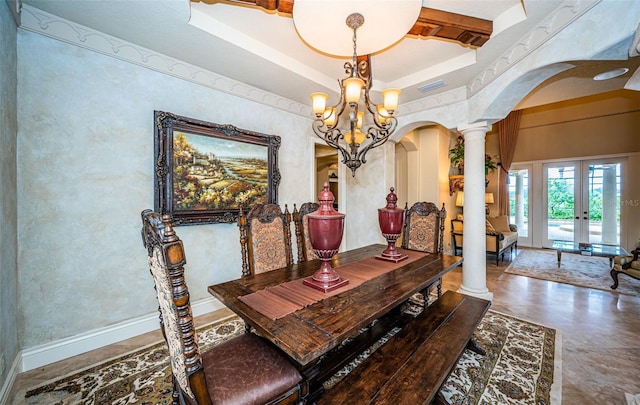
559, 252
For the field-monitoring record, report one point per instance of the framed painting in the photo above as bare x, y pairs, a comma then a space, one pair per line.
205, 172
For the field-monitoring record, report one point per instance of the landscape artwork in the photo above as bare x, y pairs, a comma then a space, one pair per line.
211, 173
206, 172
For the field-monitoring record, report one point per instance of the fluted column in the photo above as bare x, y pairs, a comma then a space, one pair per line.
474, 267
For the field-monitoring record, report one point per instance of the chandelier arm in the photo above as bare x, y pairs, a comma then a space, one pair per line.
376, 140
331, 137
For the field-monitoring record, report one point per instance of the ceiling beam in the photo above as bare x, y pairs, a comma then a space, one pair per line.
431, 22
281, 6
456, 27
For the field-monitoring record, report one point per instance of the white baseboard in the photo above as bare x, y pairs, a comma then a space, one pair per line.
84, 342
8, 383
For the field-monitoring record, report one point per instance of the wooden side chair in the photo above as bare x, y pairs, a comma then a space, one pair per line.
305, 252
423, 230
265, 239
245, 369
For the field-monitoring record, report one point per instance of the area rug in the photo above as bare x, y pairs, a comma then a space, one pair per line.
522, 366
575, 269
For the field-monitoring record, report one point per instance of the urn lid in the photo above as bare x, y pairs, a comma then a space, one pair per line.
392, 199
326, 199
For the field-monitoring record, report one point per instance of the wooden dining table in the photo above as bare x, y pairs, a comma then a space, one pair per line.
325, 335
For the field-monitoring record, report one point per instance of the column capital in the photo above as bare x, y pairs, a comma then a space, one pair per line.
481, 126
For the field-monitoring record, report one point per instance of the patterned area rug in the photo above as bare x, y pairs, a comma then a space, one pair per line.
575, 269
522, 366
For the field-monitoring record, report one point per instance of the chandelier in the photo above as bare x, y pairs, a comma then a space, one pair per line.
341, 126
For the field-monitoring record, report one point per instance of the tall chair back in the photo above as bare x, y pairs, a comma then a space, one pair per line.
423, 227
265, 239
245, 369
301, 221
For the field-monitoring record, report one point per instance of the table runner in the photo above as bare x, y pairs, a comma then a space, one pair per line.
283, 299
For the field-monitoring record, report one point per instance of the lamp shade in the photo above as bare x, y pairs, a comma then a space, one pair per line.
319, 102
352, 89
488, 198
460, 199
391, 97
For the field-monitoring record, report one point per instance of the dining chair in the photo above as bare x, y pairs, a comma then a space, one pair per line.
301, 222
423, 230
245, 369
265, 238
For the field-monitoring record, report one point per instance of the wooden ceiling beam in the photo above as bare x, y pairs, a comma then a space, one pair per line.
456, 27
281, 6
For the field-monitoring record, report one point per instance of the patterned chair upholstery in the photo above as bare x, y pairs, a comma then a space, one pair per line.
265, 239
423, 230
245, 369
629, 265
305, 251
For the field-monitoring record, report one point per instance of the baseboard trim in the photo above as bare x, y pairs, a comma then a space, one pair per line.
84, 342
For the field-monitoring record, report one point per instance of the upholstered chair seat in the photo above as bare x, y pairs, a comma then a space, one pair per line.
233, 378
629, 265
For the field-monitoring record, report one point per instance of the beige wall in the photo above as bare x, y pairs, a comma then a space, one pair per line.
592, 126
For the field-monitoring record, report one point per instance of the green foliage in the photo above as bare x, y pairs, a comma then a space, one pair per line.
560, 200
456, 157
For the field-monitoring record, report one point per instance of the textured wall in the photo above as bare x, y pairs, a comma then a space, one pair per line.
8, 202
85, 171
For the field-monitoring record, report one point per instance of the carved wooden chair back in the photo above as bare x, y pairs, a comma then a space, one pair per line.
423, 227
220, 374
301, 221
166, 263
265, 238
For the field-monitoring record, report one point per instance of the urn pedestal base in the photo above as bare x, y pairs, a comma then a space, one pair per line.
325, 286
394, 259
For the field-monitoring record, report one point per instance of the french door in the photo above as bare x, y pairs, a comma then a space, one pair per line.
520, 201
581, 201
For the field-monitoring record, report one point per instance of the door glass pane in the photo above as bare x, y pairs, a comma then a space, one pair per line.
604, 203
560, 202
519, 200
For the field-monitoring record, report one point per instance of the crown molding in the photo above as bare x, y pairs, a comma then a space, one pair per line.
434, 101
40, 22
564, 15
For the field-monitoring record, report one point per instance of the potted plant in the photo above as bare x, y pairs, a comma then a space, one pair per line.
456, 154
456, 158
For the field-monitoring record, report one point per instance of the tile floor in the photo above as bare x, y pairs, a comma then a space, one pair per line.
600, 334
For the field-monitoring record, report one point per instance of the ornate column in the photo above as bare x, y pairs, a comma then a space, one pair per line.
474, 268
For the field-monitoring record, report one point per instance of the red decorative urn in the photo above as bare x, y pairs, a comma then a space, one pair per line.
391, 219
326, 227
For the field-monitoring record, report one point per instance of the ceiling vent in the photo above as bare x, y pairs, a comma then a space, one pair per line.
432, 86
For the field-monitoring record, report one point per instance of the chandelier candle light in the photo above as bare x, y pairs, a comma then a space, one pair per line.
351, 141
326, 227
391, 219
